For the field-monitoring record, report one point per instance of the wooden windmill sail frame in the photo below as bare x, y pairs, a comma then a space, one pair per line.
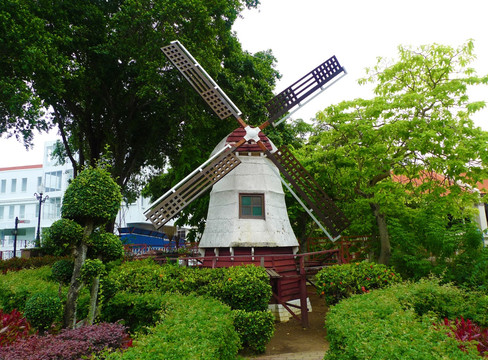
318, 205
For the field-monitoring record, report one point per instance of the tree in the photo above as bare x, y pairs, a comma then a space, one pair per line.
98, 66
413, 140
91, 200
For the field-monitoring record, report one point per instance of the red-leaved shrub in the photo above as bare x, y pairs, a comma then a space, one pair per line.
13, 326
465, 330
69, 344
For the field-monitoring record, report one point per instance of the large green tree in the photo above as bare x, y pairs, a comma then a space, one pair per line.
413, 141
98, 68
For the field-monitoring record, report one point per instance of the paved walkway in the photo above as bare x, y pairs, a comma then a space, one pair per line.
313, 355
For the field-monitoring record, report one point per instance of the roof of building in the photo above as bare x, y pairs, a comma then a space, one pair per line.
24, 167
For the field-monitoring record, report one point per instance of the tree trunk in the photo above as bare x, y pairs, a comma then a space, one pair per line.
385, 250
69, 319
92, 311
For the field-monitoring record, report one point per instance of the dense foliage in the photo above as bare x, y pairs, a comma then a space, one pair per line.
397, 322
191, 327
69, 344
342, 281
413, 146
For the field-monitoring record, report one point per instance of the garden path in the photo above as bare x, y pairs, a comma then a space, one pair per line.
293, 342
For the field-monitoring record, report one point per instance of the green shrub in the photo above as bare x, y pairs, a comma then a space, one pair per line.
106, 245
91, 269
341, 281
42, 310
246, 288
192, 327
136, 311
397, 323
255, 328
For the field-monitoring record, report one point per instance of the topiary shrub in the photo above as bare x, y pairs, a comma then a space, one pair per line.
105, 245
42, 310
92, 197
255, 328
390, 324
341, 281
13, 326
61, 237
62, 271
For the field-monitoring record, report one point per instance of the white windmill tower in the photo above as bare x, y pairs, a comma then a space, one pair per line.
247, 213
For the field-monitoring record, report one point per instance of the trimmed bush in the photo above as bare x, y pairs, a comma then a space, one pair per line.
13, 326
191, 327
246, 288
240, 287
42, 310
62, 271
255, 328
341, 281
397, 323
69, 344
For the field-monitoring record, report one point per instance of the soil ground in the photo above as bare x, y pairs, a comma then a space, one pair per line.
290, 337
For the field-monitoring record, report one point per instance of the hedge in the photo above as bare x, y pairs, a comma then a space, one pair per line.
191, 327
397, 322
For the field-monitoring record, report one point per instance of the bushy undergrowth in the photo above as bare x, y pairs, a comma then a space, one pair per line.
191, 327
13, 326
17, 287
341, 281
69, 344
240, 287
397, 323
134, 293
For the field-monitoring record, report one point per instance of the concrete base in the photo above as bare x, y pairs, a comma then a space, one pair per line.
282, 315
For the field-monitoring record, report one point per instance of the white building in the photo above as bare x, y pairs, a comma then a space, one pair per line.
18, 185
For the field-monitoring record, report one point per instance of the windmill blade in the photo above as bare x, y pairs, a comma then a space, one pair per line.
318, 202
200, 80
191, 187
312, 82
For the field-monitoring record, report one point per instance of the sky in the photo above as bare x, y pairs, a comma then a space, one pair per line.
302, 34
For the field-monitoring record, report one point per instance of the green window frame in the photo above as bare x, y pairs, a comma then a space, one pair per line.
251, 206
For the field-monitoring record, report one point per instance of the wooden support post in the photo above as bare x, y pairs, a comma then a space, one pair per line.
303, 293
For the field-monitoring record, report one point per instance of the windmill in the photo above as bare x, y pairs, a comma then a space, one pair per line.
225, 158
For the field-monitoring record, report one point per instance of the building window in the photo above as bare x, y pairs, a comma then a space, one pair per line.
51, 208
11, 211
39, 181
24, 185
3, 186
13, 188
53, 181
1, 212
22, 211
251, 206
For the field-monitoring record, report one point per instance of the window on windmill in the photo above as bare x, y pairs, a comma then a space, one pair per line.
251, 206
